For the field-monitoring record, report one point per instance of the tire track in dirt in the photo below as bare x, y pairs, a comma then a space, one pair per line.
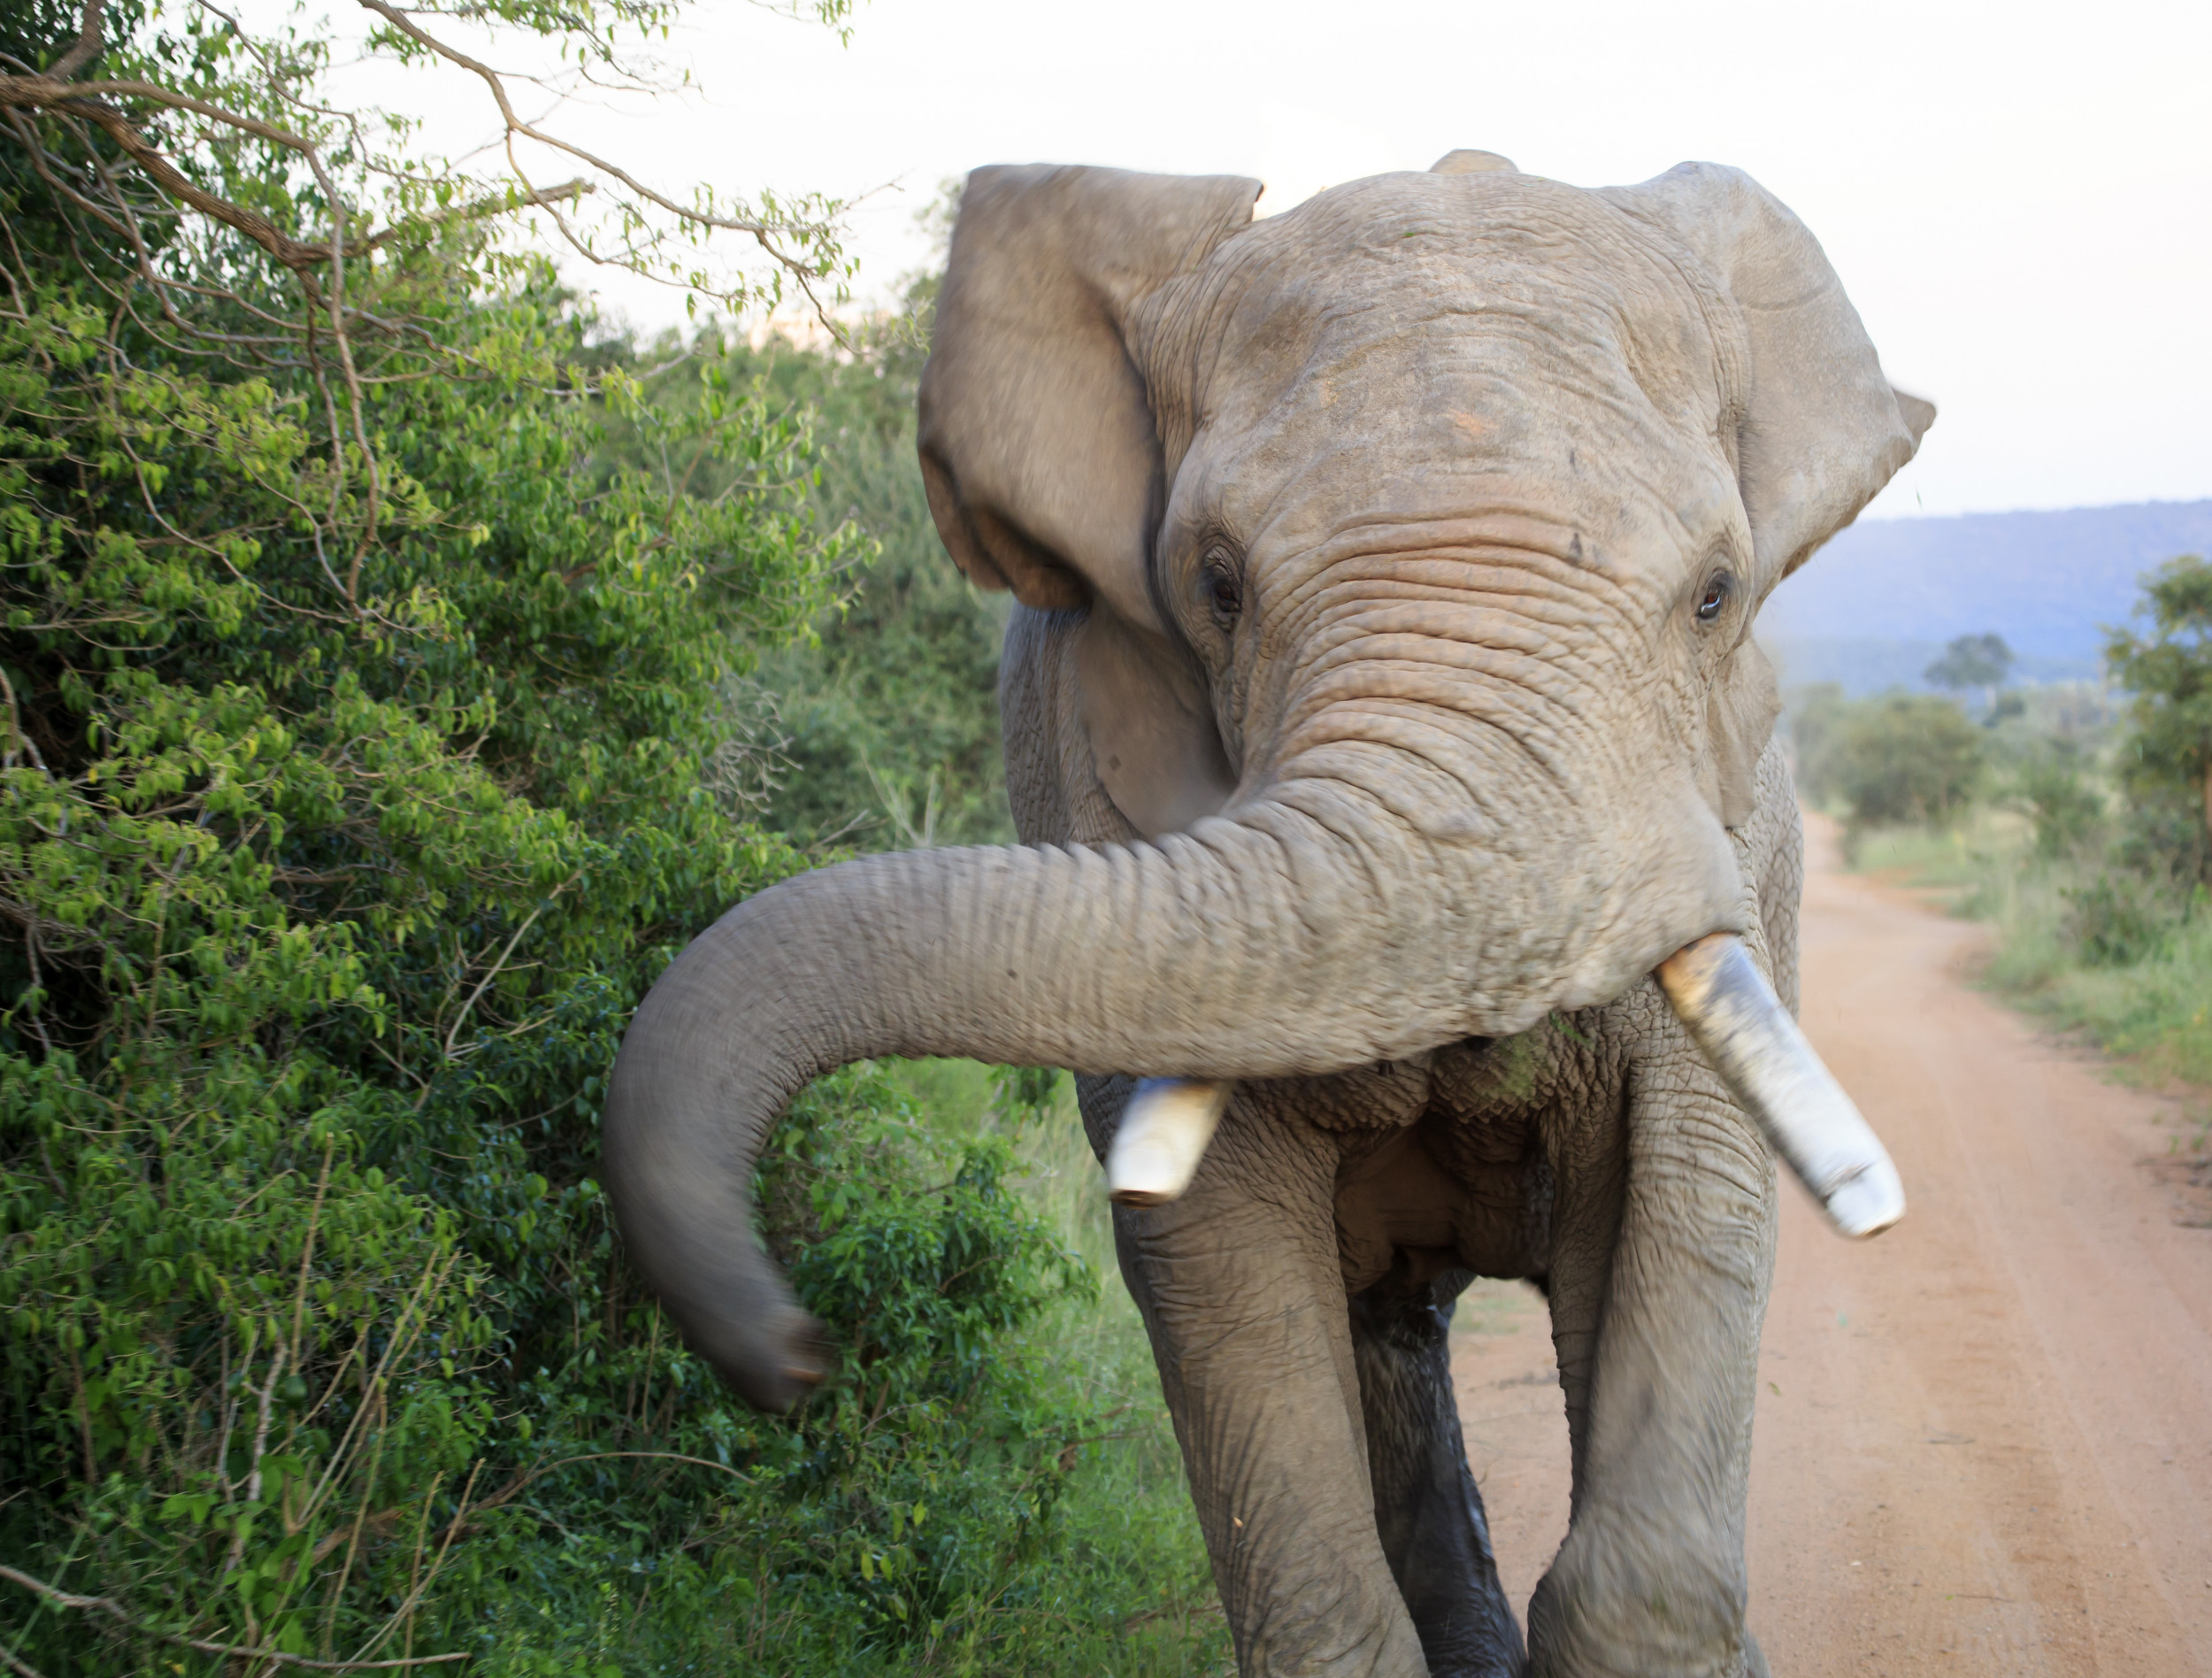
1985, 1439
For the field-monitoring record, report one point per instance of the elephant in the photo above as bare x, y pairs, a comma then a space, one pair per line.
1381, 707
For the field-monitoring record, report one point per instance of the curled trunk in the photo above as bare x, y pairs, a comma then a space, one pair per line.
1314, 932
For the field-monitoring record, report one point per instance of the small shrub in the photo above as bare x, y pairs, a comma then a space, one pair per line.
2054, 791
1907, 757
2117, 919
2168, 670
2163, 836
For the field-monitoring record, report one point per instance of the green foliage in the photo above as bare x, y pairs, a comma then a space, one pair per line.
2054, 785
891, 711
1906, 758
370, 745
2089, 856
2161, 832
879, 729
905, 1506
2168, 670
329, 921
1815, 715
2117, 919
2081, 940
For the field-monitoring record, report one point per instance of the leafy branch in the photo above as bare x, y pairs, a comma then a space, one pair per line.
230, 184
115, 1611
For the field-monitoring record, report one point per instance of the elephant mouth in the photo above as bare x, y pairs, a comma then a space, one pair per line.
1730, 1012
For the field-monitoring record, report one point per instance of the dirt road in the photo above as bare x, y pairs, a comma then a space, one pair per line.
1985, 1439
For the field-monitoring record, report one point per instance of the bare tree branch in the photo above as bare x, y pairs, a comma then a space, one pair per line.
761, 231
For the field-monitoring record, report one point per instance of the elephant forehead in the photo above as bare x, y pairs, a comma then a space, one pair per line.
1473, 462
1432, 344
1376, 260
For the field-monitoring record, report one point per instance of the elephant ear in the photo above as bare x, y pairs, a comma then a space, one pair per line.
1037, 441
1821, 431
1040, 455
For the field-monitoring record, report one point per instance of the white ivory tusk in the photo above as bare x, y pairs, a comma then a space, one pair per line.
1764, 1058
1164, 1130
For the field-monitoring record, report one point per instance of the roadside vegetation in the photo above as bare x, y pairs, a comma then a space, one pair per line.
2074, 817
396, 668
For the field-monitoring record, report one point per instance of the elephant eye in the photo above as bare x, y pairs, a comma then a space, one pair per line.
1225, 592
1717, 590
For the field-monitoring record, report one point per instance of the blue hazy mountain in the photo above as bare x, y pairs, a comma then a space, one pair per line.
1874, 607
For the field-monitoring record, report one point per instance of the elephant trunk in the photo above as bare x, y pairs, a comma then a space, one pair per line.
1316, 930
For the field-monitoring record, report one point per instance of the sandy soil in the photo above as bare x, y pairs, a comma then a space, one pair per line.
1985, 1439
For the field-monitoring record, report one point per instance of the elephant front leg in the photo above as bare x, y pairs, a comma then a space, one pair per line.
1651, 1580
1241, 1294
1428, 1510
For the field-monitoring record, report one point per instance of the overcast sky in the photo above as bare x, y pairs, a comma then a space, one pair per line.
2018, 197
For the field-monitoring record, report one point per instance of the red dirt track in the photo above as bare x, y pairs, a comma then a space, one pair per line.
1985, 1439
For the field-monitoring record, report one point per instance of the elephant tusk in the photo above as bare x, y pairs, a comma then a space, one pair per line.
1164, 1133
1734, 1016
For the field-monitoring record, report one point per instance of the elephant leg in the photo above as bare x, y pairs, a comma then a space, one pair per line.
1650, 1580
1589, 1179
1243, 1298
1428, 1510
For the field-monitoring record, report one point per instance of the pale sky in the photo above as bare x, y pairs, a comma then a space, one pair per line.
2018, 196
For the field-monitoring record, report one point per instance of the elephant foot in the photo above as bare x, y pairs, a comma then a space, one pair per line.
1497, 1662
1604, 1613
1479, 1642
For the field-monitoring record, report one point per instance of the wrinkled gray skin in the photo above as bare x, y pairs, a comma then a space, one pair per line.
1368, 746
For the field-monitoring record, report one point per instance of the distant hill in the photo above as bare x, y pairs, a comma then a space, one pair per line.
1876, 605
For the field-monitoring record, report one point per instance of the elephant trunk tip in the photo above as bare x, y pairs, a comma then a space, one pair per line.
776, 1367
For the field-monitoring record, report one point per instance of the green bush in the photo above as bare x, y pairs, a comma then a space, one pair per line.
889, 711
2055, 786
330, 921
2095, 930
2118, 920
2151, 1011
368, 726
2167, 758
2161, 834
1906, 758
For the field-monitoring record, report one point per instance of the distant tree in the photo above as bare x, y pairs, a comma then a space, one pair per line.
1973, 662
1817, 715
2170, 672
1906, 758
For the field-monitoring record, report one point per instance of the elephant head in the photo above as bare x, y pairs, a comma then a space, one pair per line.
1416, 537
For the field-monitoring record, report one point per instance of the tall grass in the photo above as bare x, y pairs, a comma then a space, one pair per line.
2078, 943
